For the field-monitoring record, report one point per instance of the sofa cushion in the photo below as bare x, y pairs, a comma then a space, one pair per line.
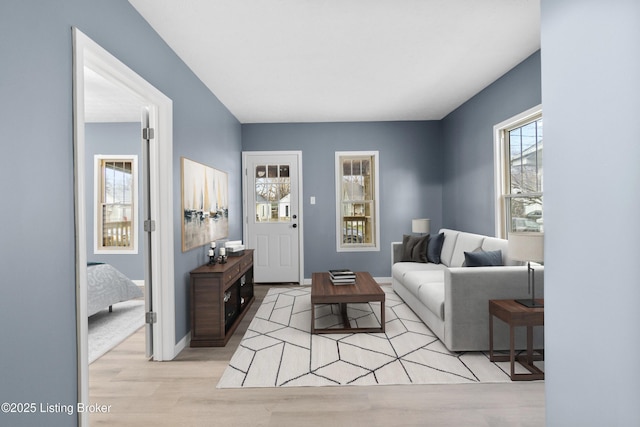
414, 248
414, 280
480, 258
466, 242
449, 244
432, 296
434, 248
400, 269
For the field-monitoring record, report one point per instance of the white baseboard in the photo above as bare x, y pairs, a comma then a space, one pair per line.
181, 345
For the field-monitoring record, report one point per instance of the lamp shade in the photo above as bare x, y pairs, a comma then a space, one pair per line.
420, 225
526, 246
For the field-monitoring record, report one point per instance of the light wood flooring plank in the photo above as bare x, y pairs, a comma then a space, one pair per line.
183, 392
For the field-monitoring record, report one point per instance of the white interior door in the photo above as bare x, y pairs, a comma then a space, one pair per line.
273, 226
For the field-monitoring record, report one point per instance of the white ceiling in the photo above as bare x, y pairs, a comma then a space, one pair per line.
346, 60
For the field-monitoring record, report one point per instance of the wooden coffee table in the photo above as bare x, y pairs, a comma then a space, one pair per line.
364, 290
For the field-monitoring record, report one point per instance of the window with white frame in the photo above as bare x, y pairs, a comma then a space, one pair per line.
519, 173
357, 204
116, 208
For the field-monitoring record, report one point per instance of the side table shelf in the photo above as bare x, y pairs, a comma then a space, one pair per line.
515, 315
220, 297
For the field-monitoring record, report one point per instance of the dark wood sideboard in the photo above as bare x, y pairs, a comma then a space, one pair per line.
221, 294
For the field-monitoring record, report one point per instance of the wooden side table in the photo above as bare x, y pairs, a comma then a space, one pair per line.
514, 315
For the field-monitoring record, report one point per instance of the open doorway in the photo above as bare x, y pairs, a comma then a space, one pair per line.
154, 112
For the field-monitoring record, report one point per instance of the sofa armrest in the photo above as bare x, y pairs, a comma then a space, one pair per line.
467, 294
396, 252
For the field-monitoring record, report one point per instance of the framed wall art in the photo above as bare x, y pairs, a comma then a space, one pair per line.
205, 207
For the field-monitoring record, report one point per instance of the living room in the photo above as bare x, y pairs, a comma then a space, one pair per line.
589, 67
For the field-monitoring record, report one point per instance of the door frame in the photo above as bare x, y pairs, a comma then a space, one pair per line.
245, 190
87, 52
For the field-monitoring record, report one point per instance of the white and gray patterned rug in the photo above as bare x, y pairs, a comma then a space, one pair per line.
107, 330
279, 351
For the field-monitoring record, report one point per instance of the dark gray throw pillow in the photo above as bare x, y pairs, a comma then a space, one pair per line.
483, 258
434, 249
414, 248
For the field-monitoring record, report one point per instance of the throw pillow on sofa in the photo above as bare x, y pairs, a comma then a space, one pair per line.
483, 259
414, 248
434, 248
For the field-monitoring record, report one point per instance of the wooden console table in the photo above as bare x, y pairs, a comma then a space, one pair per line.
515, 314
220, 297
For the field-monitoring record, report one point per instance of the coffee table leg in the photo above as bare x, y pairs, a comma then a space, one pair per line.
512, 351
345, 317
530, 345
313, 318
491, 357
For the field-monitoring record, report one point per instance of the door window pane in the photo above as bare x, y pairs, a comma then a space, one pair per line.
273, 193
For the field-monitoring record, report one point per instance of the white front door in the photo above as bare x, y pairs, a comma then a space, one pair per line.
272, 187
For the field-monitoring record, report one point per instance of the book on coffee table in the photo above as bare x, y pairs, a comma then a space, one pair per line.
342, 277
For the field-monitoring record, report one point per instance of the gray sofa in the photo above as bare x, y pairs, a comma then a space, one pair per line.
452, 300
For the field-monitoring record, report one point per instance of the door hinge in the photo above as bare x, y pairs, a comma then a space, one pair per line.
150, 317
149, 225
147, 133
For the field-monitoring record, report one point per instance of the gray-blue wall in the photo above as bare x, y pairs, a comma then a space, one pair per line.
37, 254
590, 92
410, 182
120, 139
468, 202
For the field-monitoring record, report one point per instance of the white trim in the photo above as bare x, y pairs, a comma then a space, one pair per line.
245, 209
376, 202
88, 53
97, 191
182, 344
500, 158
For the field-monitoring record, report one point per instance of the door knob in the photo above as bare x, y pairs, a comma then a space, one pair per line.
295, 225
294, 216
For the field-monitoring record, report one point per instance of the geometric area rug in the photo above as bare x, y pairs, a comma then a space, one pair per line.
278, 349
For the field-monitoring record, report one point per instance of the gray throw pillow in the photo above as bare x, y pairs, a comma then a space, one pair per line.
414, 248
434, 249
483, 258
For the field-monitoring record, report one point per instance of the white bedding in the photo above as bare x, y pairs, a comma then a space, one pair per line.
107, 286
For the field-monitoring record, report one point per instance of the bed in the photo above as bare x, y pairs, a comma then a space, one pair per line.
107, 286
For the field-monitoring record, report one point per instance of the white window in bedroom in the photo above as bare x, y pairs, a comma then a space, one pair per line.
357, 220
116, 221
519, 173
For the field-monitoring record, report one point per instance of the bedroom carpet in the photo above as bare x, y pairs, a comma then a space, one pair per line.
278, 350
106, 330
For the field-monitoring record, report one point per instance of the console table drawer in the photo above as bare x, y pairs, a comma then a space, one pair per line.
231, 274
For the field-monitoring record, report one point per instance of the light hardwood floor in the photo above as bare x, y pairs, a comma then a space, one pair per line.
183, 393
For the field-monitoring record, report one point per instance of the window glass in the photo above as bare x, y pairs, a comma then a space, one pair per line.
356, 199
115, 210
523, 177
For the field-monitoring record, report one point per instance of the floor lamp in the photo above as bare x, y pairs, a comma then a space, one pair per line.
529, 247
